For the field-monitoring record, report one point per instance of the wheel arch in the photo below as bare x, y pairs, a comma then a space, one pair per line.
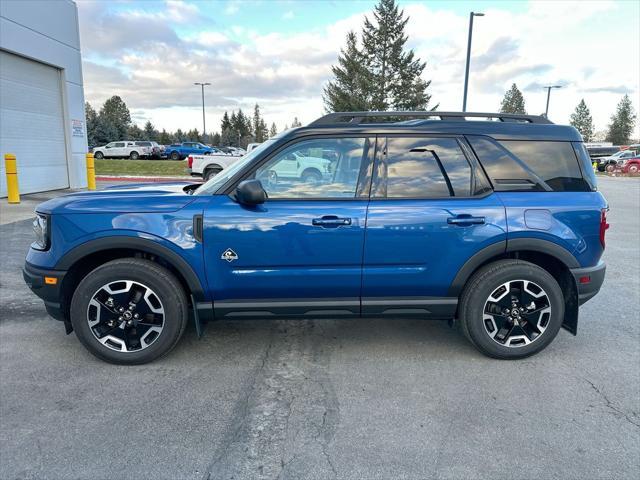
311, 170
547, 255
88, 256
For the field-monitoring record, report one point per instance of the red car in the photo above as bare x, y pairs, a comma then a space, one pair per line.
631, 165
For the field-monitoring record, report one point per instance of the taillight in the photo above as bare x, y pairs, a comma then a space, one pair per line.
189, 161
603, 225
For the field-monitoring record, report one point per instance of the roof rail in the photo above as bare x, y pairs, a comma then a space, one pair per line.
356, 118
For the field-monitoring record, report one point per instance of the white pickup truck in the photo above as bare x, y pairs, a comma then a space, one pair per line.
208, 166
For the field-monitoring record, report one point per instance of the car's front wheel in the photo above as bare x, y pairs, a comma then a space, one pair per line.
129, 311
98, 155
511, 309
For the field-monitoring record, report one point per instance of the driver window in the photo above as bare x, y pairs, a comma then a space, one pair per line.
319, 168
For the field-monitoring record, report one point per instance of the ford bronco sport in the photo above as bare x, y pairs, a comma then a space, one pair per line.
492, 221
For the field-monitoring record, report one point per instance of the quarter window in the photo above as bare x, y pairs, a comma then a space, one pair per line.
423, 168
318, 168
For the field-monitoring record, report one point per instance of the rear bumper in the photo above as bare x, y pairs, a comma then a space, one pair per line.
589, 281
50, 293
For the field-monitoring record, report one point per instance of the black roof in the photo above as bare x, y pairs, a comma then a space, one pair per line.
496, 125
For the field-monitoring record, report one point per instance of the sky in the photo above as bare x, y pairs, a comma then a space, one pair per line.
279, 53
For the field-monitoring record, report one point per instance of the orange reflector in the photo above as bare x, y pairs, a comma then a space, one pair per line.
50, 280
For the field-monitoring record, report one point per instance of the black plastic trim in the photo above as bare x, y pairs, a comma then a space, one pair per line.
283, 307
586, 291
135, 243
543, 246
471, 265
430, 307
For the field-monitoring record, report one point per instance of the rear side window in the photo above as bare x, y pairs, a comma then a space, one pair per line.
423, 168
585, 164
554, 162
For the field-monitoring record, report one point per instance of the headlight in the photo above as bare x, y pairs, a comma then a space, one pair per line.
41, 229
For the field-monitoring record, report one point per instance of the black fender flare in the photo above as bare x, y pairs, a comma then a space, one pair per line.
507, 246
135, 243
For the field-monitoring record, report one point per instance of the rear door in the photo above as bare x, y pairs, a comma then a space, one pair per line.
300, 253
431, 210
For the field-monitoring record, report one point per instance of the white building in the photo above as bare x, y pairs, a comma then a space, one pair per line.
42, 118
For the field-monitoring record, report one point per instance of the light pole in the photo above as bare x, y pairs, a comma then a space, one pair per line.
204, 123
549, 87
466, 72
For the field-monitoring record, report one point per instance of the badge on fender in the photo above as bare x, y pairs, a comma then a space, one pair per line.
229, 255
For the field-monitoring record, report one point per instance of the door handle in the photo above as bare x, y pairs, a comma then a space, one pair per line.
465, 220
330, 221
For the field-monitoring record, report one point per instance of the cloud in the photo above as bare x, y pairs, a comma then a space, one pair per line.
288, 15
619, 89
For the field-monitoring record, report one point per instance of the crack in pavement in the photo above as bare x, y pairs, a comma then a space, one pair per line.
609, 404
287, 414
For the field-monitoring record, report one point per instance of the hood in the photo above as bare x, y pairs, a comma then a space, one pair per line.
139, 198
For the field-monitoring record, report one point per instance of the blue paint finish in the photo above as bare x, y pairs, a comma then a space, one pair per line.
573, 223
281, 254
411, 249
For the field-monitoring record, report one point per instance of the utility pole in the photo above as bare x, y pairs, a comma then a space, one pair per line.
466, 72
549, 87
204, 123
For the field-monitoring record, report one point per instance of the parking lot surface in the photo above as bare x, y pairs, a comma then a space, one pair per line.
353, 399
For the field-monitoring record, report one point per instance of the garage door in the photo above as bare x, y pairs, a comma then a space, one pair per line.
32, 124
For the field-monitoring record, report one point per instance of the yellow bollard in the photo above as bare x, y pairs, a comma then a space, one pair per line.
11, 170
91, 172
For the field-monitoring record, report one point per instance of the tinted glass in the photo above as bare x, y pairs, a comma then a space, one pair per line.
585, 164
144, 144
118, 144
504, 170
424, 168
319, 168
554, 162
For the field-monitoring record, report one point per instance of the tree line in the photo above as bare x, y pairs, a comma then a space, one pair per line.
113, 122
618, 131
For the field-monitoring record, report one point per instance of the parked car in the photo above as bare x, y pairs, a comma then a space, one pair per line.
124, 149
208, 166
233, 151
497, 226
180, 151
251, 146
610, 163
597, 152
630, 165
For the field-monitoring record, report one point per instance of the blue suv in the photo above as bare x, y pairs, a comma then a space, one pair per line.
490, 221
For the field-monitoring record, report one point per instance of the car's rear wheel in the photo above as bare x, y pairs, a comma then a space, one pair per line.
134, 155
511, 309
210, 173
175, 156
129, 311
98, 155
610, 167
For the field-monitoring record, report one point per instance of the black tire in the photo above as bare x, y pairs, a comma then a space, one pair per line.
164, 286
476, 296
311, 176
174, 156
98, 156
134, 155
610, 167
209, 173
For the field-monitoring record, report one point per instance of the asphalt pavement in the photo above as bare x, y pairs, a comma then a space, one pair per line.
352, 399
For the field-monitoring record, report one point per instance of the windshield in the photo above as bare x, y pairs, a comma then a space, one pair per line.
216, 182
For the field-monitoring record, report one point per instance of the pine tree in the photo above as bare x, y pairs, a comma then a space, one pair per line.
351, 87
583, 122
164, 138
150, 132
260, 131
513, 101
226, 123
273, 131
394, 74
91, 121
622, 122
296, 123
179, 136
115, 113
135, 133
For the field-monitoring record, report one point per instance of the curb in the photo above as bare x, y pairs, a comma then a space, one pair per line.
133, 178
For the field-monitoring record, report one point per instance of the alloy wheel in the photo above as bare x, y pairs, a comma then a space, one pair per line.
517, 313
125, 316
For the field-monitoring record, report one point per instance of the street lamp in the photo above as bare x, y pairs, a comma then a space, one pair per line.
204, 124
549, 87
466, 72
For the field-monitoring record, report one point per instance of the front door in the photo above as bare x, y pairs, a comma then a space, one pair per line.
300, 253
431, 210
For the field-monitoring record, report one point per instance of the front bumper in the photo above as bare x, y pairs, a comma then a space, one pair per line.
589, 281
47, 290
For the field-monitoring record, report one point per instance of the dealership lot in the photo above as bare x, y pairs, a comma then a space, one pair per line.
328, 399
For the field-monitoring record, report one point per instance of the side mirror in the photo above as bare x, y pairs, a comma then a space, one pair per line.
250, 192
